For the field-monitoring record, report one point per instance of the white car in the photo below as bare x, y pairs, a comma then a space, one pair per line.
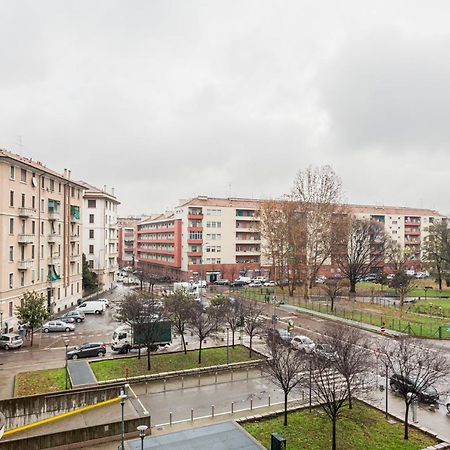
269, 284
303, 343
255, 283
57, 325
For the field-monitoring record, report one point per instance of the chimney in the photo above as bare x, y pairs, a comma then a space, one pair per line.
112, 191
69, 172
65, 173
104, 188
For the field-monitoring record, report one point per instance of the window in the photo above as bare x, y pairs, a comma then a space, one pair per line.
11, 198
42, 182
12, 172
11, 226
22, 278
23, 200
72, 191
91, 249
33, 274
91, 263
92, 203
11, 280
11, 253
32, 252
10, 308
23, 175
42, 205
42, 228
33, 202
42, 251
59, 188
33, 227
52, 185
91, 234
91, 218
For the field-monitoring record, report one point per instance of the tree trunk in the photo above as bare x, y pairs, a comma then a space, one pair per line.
332, 304
350, 406
232, 337
32, 334
333, 437
352, 286
285, 409
200, 352
406, 436
149, 367
184, 343
440, 280
139, 351
251, 340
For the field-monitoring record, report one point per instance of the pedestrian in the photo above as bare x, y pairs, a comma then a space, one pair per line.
27, 332
21, 330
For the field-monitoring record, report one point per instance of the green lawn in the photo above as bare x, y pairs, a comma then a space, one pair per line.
361, 428
437, 308
40, 381
167, 362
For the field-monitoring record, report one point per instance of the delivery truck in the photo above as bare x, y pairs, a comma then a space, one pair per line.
156, 331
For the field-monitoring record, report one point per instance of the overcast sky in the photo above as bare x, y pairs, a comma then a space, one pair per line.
169, 99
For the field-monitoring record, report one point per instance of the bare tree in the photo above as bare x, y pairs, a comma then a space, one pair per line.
351, 357
317, 192
253, 319
329, 390
177, 308
332, 289
362, 250
396, 256
201, 323
233, 313
285, 367
415, 371
437, 250
403, 284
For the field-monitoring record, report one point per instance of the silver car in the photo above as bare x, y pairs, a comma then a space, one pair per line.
57, 325
9, 341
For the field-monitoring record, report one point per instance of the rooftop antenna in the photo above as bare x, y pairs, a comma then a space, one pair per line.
229, 190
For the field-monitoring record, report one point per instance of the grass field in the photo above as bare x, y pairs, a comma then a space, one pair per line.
167, 362
40, 381
362, 428
406, 320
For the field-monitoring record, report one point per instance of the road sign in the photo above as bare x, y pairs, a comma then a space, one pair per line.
382, 329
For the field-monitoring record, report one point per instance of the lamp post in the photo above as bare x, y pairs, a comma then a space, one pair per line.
228, 345
142, 429
123, 397
386, 388
66, 343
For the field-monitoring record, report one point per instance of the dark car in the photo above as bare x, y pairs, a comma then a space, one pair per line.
404, 384
77, 315
279, 334
325, 351
238, 283
87, 350
67, 319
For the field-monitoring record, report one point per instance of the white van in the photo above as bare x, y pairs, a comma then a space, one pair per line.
92, 307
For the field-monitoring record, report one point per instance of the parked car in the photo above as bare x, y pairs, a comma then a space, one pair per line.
222, 282
279, 334
77, 315
448, 407
57, 325
303, 343
255, 283
238, 283
67, 319
87, 350
10, 340
325, 351
321, 279
426, 394
92, 307
269, 284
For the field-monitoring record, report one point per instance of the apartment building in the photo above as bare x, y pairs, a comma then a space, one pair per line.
100, 233
207, 238
213, 238
40, 236
127, 231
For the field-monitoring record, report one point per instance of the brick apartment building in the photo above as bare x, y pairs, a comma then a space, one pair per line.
214, 238
40, 235
126, 235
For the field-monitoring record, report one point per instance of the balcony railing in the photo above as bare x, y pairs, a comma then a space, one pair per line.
53, 237
25, 238
74, 258
74, 237
54, 215
26, 212
24, 264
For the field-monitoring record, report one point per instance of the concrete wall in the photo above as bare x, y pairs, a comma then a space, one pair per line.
20, 411
78, 438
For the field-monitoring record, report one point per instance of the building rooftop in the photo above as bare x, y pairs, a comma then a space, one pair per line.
93, 191
394, 210
217, 201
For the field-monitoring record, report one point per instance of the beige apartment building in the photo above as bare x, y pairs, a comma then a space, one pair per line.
40, 236
217, 238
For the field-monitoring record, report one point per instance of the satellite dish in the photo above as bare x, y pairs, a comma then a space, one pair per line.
33, 182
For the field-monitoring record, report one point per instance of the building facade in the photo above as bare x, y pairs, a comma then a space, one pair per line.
100, 233
127, 237
40, 236
220, 238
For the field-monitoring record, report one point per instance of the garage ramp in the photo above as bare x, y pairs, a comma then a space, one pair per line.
80, 373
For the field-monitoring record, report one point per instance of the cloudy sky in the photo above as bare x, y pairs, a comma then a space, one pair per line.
168, 99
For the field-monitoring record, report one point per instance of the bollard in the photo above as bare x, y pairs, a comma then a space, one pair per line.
192, 415
199, 379
212, 411
262, 372
215, 380
182, 382
251, 404
170, 418
164, 385
303, 394
232, 408
269, 400
146, 386
231, 374
247, 373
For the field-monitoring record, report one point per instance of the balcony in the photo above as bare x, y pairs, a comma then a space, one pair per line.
113, 239
412, 232
248, 252
54, 259
196, 228
54, 215
25, 238
410, 223
74, 258
24, 264
195, 241
113, 226
113, 268
74, 237
54, 238
26, 212
195, 216
195, 254
247, 218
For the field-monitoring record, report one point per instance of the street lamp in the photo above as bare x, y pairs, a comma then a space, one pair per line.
66, 343
142, 429
386, 388
1, 321
123, 397
228, 343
